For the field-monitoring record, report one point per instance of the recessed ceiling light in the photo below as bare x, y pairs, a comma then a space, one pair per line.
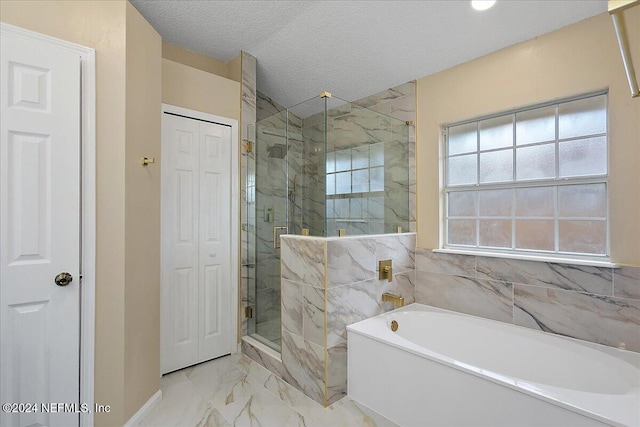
482, 4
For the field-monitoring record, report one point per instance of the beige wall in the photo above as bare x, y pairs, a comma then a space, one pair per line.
195, 89
127, 109
188, 87
580, 58
142, 213
100, 25
234, 68
201, 62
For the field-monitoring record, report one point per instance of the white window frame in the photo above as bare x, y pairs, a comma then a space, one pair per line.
556, 182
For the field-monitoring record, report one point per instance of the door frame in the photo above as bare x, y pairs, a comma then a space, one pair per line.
88, 205
235, 203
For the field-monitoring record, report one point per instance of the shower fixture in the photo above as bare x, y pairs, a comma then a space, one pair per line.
277, 151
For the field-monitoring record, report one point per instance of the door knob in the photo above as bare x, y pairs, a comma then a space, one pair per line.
63, 279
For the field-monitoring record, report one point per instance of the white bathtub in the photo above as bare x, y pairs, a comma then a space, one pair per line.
445, 368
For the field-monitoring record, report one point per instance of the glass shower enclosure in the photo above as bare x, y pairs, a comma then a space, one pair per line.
325, 167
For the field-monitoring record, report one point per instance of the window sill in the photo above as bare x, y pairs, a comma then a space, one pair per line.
525, 257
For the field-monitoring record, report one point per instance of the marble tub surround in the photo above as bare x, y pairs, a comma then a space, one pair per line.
596, 304
606, 320
303, 260
350, 260
236, 391
327, 284
626, 282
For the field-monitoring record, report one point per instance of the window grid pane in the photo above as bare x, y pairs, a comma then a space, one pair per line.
555, 169
354, 183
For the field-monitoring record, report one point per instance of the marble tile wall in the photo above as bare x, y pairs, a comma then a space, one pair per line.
266, 106
313, 175
263, 187
399, 102
357, 125
327, 284
278, 158
596, 304
265, 360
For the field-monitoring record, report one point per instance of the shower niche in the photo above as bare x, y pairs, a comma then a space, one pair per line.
326, 167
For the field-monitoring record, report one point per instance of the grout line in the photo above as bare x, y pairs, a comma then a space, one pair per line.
613, 282
513, 303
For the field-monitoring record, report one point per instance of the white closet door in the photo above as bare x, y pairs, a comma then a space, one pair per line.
196, 242
215, 240
180, 241
39, 229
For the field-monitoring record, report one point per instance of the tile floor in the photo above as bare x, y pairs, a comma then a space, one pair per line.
236, 391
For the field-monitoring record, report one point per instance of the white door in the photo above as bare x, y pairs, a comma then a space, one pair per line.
39, 229
179, 288
215, 240
196, 241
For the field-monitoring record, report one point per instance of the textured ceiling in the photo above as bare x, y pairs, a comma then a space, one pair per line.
353, 48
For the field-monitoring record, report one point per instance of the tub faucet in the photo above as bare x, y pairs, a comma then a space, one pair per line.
397, 300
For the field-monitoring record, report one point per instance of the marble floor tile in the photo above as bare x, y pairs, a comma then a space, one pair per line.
181, 404
236, 391
215, 419
261, 409
220, 383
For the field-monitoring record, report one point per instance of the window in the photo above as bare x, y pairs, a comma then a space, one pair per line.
355, 183
531, 180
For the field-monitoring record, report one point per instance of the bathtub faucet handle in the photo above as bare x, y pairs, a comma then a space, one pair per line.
385, 270
389, 272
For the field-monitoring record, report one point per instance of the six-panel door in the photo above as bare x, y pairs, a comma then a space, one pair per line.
196, 241
39, 230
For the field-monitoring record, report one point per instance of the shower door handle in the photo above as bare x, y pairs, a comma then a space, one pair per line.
277, 232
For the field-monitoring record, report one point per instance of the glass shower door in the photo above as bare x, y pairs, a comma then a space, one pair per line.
271, 216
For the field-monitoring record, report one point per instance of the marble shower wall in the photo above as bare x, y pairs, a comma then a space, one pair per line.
327, 284
400, 103
363, 130
278, 154
596, 304
313, 175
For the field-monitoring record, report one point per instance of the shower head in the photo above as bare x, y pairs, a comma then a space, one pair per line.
277, 151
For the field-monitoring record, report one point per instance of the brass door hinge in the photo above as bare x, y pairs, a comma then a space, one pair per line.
248, 312
248, 146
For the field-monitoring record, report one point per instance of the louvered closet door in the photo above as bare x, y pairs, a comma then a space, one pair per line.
196, 233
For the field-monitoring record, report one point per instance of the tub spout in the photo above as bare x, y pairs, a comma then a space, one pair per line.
397, 300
